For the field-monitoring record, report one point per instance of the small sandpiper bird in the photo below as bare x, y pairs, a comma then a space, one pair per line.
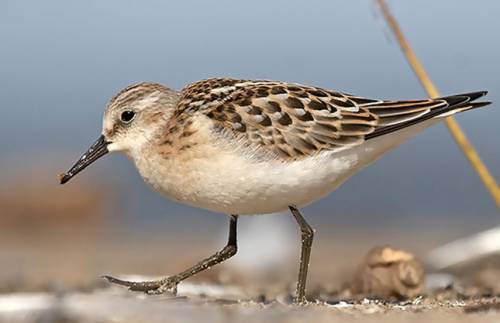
251, 147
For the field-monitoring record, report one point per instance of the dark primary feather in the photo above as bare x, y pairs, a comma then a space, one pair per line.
455, 102
293, 121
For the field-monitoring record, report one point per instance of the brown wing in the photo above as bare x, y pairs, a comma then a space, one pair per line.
293, 121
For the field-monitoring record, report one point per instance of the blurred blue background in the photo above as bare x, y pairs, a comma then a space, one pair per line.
60, 62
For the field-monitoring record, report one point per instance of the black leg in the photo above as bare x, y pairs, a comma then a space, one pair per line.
307, 234
170, 283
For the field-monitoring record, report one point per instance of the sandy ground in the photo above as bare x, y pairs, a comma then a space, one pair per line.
209, 303
44, 280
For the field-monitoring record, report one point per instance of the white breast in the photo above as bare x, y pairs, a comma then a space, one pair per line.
230, 180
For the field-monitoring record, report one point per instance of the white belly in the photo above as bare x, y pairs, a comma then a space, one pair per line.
232, 182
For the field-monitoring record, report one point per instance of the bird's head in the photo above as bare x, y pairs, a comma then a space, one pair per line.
131, 119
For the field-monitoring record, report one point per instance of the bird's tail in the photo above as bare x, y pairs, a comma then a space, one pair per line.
410, 113
462, 102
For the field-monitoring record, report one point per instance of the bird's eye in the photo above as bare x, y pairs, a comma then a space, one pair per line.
127, 116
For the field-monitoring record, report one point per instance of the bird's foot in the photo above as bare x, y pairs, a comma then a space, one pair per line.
154, 287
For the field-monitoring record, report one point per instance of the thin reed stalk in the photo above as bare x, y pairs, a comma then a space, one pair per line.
454, 128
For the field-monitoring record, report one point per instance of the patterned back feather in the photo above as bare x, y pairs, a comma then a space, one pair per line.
293, 121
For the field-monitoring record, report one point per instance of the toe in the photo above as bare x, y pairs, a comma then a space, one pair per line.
117, 281
134, 286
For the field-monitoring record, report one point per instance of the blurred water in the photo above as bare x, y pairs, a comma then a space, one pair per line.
60, 62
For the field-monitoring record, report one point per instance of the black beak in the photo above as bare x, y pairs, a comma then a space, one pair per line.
97, 150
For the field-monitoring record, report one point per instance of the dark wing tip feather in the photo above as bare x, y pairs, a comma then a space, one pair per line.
480, 104
457, 102
459, 99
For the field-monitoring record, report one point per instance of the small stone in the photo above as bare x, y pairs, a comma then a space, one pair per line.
388, 272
